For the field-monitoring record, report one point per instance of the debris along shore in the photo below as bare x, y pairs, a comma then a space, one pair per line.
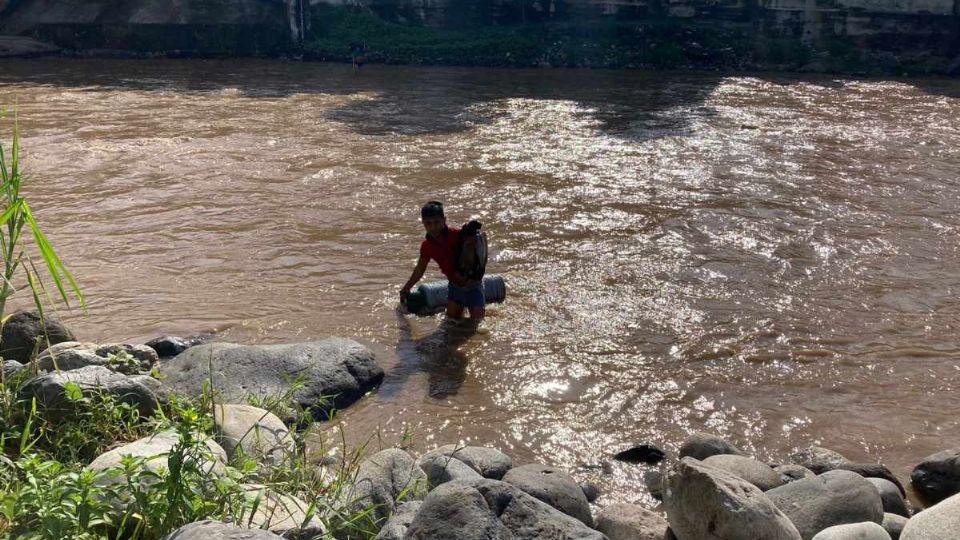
179, 438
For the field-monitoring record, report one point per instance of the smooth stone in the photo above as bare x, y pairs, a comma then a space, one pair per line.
554, 487
631, 522
258, 433
529, 518
937, 476
280, 514
707, 503
50, 389
818, 459
893, 502
456, 511
832, 498
751, 470
489, 462
653, 479
215, 530
331, 367
11, 368
170, 346
893, 524
874, 470
383, 477
23, 333
154, 450
69, 355
396, 527
791, 472
853, 531
441, 468
939, 522
703, 445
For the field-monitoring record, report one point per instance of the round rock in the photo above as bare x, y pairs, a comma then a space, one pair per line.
441, 469
874, 470
939, 522
751, 470
23, 333
937, 476
710, 503
893, 524
489, 462
258, 433
215, 530
396, 527
554, 487
818, 459
853, 531
50, 390
890, 496
631, 522
703, 445
381, 478
791, 472
832, 498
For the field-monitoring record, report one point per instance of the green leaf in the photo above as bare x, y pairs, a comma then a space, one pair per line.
73, 391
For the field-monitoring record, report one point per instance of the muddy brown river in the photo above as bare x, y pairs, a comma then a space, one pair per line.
771, 258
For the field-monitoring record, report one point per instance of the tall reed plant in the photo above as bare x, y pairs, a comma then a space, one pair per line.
17, 221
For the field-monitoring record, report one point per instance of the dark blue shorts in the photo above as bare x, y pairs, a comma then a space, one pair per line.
470, 296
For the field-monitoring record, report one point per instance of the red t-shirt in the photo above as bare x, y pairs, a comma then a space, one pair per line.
443, 250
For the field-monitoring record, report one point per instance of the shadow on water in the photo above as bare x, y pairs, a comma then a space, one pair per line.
437, 353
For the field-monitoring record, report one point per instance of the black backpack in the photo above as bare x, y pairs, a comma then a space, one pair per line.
471, 253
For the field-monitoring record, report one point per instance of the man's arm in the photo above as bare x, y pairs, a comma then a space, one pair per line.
414, 278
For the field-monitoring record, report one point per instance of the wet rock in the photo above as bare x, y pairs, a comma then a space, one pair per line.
396, 527
832, 498
170, 346
704, 502
654, 482
893, 524
257, 433
529, 518
23, 333
280, 514
790, 472
554, 487
155, 450
751, 470
440, 468
939, 522
144, 354
489, 462
644, 453
50, 389
331, 367
853, 531
590, 490
215, 530
631, 522
11, 368
937, 476
874, 470
890, 496
381, 478
818, 459
703, 445
456, 511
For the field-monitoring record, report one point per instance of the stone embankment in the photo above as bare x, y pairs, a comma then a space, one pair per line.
710, 490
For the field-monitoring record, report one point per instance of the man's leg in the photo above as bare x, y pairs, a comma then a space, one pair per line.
477, 312
454, 310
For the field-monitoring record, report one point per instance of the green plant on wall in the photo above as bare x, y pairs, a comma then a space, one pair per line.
16, 222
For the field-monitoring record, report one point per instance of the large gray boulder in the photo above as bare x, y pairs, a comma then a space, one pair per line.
489, 462
381, 479
751, 470
396, 527
554, 487
703, 445
491, 509
155, 451
818, 459
440, 468
50, 390
890, 496
893, 524
867, 530
23, 333
631, 522
334, 367
832, 498
939, 522
706, 503
215, 530
257, 433
937, 476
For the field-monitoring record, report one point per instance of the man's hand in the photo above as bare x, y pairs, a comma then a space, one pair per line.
404, 292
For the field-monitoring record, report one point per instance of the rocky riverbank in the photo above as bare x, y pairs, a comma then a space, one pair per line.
709, 490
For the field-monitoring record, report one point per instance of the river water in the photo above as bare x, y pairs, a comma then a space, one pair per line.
771, 258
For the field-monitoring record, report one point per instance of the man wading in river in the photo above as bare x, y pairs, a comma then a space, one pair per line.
443, 244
